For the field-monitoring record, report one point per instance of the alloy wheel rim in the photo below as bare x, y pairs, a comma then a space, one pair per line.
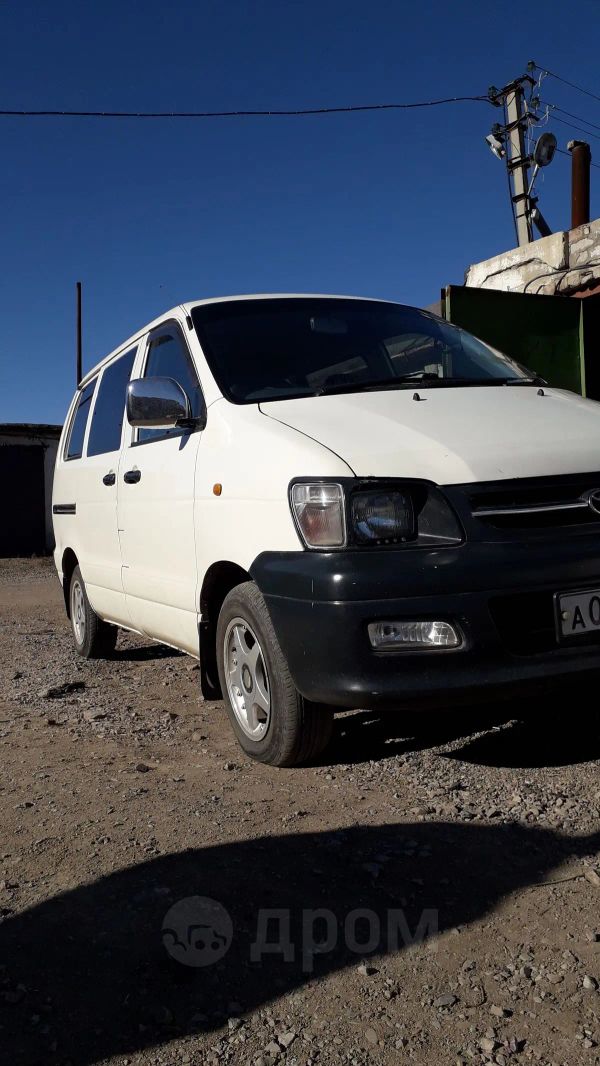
78, 612
247, 679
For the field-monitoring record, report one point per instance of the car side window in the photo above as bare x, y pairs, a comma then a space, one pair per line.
168, 357
74, 446
109, 409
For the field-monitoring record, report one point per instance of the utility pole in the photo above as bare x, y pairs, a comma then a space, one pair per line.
508, 141
79, 370
517, 161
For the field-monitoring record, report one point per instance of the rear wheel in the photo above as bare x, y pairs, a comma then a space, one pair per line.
271, 720
94, 638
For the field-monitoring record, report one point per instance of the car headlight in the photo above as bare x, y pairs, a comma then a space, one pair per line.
361, 513
378, 516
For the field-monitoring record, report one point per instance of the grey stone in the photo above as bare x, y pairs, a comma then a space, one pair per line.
488, 1045
500, 1012
445, 1000
286, 1039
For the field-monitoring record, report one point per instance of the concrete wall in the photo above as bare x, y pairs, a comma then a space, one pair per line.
567, 263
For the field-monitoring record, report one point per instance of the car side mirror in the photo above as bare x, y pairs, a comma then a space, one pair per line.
158, 403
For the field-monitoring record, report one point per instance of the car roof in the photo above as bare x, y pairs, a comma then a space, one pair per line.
189, 305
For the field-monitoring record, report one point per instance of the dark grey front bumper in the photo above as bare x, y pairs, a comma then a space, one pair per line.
499, 593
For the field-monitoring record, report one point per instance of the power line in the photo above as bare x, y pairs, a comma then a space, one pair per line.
562, 152
551, 74
271, 113
548, 274
563, 271
555, 107
574, 126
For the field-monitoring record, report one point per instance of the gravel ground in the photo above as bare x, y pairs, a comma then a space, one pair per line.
428, 894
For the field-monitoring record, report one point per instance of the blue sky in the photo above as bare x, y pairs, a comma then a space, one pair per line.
148, 214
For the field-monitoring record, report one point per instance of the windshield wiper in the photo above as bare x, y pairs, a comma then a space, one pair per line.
419, 375
537, 380
384, 383
422, 377
488, 382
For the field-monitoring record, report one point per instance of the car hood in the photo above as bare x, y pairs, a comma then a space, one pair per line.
452, 435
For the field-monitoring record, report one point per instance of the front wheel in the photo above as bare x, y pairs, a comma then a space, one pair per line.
94, 638
271, 720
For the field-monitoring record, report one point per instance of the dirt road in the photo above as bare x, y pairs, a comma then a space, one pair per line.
428, 894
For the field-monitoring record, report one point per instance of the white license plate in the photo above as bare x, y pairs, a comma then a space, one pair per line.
578, 613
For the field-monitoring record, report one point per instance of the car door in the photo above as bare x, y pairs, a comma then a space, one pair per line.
156, 506
98, 550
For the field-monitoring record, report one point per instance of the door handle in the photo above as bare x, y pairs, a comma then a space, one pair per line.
132, 476
109, 479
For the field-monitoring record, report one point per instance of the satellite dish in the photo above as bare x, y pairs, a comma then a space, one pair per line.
544, 150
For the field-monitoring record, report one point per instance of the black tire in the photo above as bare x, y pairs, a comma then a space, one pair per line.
93, 638
297, 731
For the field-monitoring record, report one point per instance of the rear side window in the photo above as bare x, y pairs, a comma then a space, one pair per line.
77, 432
109, 410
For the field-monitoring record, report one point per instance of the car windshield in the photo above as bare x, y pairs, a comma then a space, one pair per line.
281, 348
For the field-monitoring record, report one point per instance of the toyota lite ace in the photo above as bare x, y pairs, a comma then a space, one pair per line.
332, 503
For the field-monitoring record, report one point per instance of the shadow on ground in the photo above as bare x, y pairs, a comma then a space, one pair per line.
146, 653
91, 964
562, 738
546, 729
366, 735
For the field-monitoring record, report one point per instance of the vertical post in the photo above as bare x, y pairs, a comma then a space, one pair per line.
581, 158
79, 371
517, 162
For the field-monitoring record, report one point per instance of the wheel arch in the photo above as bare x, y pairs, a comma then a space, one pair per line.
220, 578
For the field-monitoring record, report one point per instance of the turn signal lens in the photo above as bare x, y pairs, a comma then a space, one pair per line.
319, 511
385, 636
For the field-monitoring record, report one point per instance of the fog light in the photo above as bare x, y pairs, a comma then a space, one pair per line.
389, 635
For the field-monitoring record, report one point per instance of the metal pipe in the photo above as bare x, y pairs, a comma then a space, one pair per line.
581, 158
79, 371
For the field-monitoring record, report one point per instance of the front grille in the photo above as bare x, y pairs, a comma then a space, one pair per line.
536, 503
525, 622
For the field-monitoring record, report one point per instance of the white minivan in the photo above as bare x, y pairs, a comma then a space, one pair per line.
332, 503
